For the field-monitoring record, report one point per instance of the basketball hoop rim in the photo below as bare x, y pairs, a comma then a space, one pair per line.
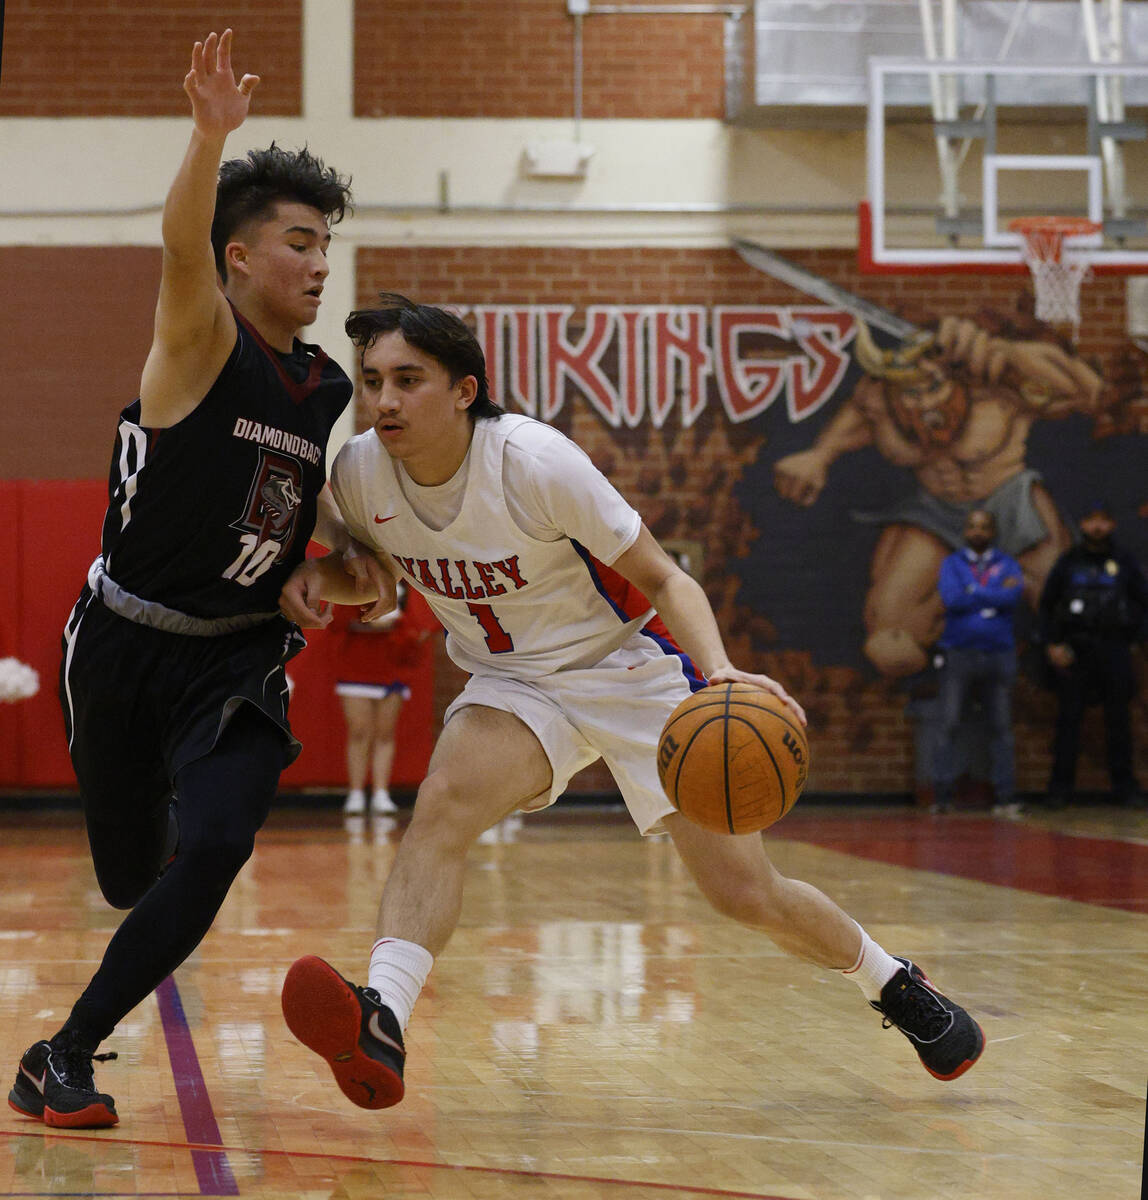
1044, 236
1065, 226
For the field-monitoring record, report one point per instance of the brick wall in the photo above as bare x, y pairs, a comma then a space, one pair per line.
684, 481
485, 58
90, 58
73, 349
73, 364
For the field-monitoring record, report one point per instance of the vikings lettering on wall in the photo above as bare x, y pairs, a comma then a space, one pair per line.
837, 431
635, 364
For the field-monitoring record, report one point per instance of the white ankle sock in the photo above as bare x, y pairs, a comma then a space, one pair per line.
398, 971
873, 968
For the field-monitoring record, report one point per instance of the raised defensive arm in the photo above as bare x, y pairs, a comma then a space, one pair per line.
194, 328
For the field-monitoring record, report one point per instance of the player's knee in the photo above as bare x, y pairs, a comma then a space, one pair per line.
123, 890
741, 898
218, 853
445, 812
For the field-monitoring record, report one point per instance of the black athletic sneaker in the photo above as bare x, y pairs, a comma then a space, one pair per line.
56, 1085
947, 1040
350, 1027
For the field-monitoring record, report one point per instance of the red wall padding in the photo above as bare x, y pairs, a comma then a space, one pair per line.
49, 534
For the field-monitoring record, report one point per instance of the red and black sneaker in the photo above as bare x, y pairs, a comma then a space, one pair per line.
350, 1027
55, 1084
947, 1040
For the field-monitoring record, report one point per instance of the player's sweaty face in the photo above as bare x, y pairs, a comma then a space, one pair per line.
287, 255
419, 413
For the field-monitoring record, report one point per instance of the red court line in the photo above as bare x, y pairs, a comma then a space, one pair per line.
1104, 871
679, 1189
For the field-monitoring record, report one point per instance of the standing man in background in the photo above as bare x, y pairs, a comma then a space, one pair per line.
980, 589
173, 673
1091, 613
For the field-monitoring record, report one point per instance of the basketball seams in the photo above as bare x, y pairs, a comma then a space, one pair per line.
685, 780
782, 789
683, 754
725, 759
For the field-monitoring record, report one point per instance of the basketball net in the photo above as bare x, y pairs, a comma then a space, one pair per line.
1057, 270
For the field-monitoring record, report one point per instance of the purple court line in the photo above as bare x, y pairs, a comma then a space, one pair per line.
212, 1169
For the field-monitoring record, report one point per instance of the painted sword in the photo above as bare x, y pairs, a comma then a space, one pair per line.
805, 281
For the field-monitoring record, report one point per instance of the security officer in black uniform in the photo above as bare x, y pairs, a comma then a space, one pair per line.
1091, 614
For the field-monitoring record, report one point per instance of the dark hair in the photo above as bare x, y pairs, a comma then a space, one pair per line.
249, 188
432, 330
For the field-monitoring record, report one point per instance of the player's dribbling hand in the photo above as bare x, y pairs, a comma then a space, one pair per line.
301, 599
733, 675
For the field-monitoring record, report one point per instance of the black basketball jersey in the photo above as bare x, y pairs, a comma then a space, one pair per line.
211, 515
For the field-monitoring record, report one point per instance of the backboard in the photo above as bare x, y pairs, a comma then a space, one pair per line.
957, 149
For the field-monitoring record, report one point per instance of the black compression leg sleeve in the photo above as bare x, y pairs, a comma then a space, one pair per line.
223, 799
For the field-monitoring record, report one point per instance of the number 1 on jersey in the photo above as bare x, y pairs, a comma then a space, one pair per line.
498, 641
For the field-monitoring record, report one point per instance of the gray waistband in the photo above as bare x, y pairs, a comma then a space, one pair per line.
159, 616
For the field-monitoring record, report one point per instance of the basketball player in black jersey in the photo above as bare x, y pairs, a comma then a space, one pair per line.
173, 672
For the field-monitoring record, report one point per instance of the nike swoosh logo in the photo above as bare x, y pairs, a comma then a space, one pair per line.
37, 1083
383, 520
375, 1030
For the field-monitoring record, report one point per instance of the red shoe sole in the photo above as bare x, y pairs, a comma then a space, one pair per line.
323, 1012
95, 1116
969, 1062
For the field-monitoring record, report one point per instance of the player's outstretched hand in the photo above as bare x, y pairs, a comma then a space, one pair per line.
733, 675
301, 598
218, 104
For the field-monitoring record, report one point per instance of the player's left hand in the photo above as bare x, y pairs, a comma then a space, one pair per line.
731, 674
218, 103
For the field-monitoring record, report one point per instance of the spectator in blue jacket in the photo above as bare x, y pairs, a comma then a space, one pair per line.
980, 588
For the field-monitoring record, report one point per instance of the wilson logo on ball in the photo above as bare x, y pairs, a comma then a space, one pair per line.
790, 743
666, 751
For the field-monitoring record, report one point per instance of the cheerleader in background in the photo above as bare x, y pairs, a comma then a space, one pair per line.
376, 663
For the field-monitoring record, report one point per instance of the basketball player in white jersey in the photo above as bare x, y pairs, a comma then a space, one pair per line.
552, 592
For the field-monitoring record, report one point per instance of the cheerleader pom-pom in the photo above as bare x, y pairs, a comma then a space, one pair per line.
18, 681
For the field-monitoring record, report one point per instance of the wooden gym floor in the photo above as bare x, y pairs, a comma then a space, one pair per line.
595, 1032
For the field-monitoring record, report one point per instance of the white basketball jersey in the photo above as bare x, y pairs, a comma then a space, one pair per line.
510, 603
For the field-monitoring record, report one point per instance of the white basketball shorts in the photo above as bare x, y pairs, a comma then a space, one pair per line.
614, 710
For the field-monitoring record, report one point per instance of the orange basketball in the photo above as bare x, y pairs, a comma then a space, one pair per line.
733, 758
